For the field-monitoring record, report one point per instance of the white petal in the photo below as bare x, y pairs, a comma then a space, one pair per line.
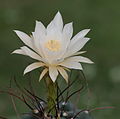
43, 73
39, 35
33, 66
71, 64
53, 73
76, 47
39, 28
31, 53
81, 59
79, 44
19, 51
79, 53
79, 35
68, 31
25, 38
63, 73
56, 22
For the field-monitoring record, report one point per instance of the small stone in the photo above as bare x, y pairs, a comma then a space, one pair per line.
65, 114
63, 103
86, 112
35, 111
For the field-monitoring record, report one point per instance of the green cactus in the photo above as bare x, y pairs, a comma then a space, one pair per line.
67, 111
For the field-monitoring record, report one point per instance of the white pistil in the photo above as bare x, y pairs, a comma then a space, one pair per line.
53, 45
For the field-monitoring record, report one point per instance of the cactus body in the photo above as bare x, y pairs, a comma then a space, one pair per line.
67, 111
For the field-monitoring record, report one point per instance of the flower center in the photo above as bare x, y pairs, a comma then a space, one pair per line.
53, 45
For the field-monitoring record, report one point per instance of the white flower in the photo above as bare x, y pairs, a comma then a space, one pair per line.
54, 48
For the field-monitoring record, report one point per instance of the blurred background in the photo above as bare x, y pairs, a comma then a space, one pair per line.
101, 16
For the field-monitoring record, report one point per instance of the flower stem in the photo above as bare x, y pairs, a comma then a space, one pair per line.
51, 96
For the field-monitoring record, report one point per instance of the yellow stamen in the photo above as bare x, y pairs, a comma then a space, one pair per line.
53, 45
